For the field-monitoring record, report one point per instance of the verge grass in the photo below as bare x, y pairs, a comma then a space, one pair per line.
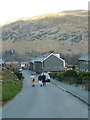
11, 85
0, 91
10, 90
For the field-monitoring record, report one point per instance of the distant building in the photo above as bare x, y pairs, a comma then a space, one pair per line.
11, 65
71, 67
48, 63
84, 62
24, 64
68, 67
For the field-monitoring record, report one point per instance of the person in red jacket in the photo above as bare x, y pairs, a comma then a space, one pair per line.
33, 80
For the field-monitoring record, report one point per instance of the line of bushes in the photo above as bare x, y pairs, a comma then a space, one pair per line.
19, 74
10, 88
72, 77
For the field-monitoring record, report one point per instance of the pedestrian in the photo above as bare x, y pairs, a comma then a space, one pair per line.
33, 80
44, 79
40, 80
34, 73
47, 77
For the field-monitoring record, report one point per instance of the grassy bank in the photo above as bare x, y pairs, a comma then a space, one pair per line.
0, 91
10, 90
11, 85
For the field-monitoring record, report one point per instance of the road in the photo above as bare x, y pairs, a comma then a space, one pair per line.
44, 102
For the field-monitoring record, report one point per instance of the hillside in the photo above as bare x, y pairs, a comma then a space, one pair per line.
64, 32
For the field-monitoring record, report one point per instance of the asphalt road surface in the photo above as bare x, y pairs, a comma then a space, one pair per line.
44, 102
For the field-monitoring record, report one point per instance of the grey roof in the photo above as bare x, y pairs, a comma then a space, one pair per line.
39, 59
54, 69
11, 62
85, 57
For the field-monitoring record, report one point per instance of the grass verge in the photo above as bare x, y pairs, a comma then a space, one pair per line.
0, 91
10, 90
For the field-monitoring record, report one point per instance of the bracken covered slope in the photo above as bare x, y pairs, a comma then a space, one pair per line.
64, 32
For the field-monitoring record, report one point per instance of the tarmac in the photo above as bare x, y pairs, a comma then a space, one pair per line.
75, 90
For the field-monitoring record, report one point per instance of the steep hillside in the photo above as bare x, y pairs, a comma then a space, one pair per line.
64, 32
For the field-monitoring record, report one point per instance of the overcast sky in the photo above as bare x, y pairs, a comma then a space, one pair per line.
15, 9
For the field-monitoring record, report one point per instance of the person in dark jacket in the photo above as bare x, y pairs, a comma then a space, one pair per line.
44, 79
40, 80
39, 77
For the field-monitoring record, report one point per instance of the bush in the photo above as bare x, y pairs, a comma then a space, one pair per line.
72, 77
19, 75
71, 73
53, 75
59, 76
85, 76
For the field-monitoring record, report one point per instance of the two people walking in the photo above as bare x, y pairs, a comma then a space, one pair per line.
41, 78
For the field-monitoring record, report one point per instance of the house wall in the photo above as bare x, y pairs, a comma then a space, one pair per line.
31, 66
52, 61
84, 65
38, 67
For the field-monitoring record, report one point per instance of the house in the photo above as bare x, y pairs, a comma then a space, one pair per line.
48, 63
68, 67
11, 65
24, 64
84, 62
71, 67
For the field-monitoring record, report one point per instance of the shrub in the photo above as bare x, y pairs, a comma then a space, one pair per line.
19, 75
53, 75
71, 73
85, 76
59, 76
72, 77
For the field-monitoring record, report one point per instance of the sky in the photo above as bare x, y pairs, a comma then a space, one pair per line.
11, 10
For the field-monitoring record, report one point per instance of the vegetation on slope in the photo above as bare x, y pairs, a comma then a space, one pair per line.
66, 31
11, 85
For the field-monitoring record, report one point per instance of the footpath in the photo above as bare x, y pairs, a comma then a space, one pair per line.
76, 91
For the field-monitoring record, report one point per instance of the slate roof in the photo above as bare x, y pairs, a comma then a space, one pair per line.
85, 57
39, 59
42, 58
